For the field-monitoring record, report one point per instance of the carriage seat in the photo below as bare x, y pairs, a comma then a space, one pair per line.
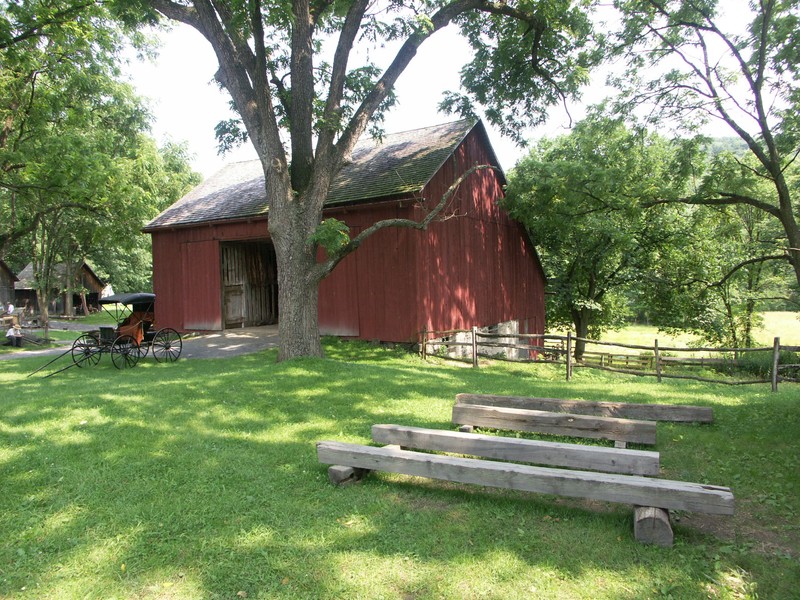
136, 325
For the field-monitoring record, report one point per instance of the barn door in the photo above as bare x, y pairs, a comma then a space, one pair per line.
234, 305
249, 284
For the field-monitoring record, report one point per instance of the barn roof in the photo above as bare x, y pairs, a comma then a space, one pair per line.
399, 164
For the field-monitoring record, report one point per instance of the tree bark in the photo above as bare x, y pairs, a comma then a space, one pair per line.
580, 319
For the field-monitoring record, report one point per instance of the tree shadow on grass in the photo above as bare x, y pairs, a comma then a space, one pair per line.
202, 476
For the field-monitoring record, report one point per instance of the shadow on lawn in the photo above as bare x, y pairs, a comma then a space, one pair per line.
203, 475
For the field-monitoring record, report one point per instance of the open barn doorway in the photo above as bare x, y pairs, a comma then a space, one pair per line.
249, 284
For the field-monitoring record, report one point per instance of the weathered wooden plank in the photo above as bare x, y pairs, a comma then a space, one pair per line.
539, 421
590, 458
651, 526
626, 410
610, 487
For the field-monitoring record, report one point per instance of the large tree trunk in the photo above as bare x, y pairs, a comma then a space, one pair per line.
580, 318
292, 220
298, 321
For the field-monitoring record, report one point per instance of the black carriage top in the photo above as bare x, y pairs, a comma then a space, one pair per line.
137, 301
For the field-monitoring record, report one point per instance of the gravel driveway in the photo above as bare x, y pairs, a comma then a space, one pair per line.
230, 342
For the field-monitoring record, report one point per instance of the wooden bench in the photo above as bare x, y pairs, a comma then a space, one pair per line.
555, 423
651, 497
626, 410
591, 458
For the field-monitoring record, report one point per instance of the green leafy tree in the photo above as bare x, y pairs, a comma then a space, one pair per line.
304, 108
725, 265
75, 169
581, 197
690, 63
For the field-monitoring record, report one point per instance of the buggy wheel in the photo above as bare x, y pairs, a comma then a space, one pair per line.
125, 352
85, 351
167, 345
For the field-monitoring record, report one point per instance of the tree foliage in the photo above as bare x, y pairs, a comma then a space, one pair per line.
77, 173
581, 197
736, 63
716, 276
305, 100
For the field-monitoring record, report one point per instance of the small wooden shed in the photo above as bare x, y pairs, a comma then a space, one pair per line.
25, 294
214, 263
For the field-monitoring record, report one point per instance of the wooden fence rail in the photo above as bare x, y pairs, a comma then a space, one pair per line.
657, 361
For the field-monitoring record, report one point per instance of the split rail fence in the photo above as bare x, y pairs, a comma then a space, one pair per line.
770, 364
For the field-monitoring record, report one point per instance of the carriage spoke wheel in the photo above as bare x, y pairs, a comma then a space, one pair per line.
167, 345
85, 351
125, 352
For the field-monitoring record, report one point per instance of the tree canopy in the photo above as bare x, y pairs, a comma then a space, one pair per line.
582, 199
77, 171
736, 63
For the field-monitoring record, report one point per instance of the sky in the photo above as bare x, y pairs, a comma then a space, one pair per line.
187, 104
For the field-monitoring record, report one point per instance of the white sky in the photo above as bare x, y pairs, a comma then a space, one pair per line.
187, 103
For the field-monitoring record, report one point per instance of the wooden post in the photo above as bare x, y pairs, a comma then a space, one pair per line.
651, 526
569, 355
658, 362
474, 347
776, 359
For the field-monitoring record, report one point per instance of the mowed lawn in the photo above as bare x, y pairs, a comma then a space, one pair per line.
199, 479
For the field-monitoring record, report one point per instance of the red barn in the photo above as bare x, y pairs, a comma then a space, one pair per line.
214, 264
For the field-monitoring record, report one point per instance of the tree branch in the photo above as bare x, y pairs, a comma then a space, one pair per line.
325, 268
725, 199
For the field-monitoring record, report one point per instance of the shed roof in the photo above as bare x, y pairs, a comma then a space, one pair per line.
10, 275
27, 281
399, 164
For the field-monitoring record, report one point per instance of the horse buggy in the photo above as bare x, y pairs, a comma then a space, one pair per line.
132, 338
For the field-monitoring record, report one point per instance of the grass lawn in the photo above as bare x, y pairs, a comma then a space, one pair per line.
199, 479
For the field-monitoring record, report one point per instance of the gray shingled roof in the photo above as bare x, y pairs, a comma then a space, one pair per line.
401, 163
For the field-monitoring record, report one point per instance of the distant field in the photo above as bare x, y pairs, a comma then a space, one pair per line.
785, 325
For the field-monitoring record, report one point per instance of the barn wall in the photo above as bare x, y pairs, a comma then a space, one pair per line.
6, 287
478, 268
372, 293
187, 273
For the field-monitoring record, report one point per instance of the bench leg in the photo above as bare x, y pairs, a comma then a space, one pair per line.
466, 429
342, 475
651, 526
621, 445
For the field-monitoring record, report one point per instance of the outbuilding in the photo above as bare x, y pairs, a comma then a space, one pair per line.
81, 278
8, 279
214, 264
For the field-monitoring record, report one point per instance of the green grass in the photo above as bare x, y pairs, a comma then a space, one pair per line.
199, 479
785, 325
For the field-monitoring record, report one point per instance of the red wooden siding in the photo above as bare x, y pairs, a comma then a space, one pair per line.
187, 273
372, 293
481, 259
476, 268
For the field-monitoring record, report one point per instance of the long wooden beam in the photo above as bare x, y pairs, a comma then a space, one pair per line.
575, 456
624, 489
539, 421
627, 410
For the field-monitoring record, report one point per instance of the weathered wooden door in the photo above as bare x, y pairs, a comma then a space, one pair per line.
249, 284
